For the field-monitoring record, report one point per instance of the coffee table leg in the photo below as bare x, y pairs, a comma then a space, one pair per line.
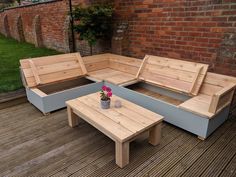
122, 154
73, 119
155, 135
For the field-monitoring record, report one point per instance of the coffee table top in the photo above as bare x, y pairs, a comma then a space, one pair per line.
120, 124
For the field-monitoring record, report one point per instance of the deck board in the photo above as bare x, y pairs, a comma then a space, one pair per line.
34, 145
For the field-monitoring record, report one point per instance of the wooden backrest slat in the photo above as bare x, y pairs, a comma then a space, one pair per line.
124, 64
123, 68
130, 61
185, 76
96, 62
209, 89
117, 62
215, 82
52, 68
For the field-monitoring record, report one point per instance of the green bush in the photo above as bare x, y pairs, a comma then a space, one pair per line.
94, 22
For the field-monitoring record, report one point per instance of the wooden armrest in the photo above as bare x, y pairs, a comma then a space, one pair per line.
222, 98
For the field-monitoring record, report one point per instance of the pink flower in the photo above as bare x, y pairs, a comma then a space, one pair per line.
108, 89
109, 94
104, 88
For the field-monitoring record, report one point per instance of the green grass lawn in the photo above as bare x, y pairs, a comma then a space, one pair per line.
11, 51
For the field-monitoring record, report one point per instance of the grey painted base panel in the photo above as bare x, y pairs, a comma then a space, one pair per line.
193, 123
57, 100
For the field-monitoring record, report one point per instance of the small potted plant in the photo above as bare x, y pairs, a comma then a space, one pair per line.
106, 94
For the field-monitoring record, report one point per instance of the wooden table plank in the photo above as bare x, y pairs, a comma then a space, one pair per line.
99, 121
126, 111
112, 114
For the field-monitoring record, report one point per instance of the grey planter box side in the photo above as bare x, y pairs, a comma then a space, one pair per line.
57, 100
35, 99
193, 123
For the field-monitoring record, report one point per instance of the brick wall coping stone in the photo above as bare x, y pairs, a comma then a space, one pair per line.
29, 5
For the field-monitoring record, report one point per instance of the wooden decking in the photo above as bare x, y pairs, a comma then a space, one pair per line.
34, 145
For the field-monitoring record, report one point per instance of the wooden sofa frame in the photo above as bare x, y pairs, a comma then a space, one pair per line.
183, 92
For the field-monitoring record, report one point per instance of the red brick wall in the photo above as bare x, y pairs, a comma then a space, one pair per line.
198, 30
52, 17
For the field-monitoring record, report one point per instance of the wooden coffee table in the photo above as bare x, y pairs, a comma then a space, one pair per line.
122, 125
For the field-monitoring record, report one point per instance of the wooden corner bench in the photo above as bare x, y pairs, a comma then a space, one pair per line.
182, 91
122, 125
116, 69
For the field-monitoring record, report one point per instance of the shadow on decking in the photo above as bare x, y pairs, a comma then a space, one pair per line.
34, 145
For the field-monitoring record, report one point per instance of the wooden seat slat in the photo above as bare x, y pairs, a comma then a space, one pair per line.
113, 76
120, 78
198, 107
104, 73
